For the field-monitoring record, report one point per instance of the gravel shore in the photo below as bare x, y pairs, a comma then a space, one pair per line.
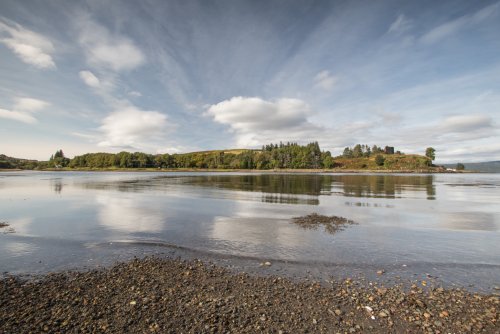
156, 295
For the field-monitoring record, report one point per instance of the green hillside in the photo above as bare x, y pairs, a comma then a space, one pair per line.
391, 162
269, 157
15, 163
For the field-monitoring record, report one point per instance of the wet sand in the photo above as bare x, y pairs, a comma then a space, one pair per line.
162, 295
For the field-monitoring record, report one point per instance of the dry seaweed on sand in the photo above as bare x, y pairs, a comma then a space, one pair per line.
332, 224
3, 224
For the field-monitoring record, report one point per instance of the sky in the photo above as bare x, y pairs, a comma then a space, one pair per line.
186, 75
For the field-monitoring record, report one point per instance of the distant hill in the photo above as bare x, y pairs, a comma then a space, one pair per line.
486, 167
7, 162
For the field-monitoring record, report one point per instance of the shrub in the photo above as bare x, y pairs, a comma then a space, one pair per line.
379, 160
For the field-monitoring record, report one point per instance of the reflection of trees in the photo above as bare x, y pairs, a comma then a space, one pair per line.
58, 185
286, 199
266, 183
388, 186
385, 185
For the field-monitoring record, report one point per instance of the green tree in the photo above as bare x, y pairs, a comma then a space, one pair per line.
347, 153
59, 160
379, 160
357, 151
430, 153
328, 162
460, 166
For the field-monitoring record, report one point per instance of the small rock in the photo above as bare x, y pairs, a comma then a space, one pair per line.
382, 314
380, 272
444, 314
427, 315
133, 302
267, 264
338, 312
315, 321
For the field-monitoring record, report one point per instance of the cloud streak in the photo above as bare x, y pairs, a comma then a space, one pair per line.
90, 79
17, 116
23, 108
454, 26
401, 25
31, 47
107, 50
325, 81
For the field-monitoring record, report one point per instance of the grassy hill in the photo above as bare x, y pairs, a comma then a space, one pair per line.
7, 162
391, 162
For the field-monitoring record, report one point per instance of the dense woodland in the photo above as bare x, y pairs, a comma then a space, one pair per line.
290, 155
272, 156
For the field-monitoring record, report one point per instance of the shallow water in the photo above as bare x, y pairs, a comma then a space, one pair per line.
444, 224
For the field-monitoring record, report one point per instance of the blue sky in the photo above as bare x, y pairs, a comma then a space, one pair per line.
180, 76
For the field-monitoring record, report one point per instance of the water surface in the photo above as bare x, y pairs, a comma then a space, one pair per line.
445, 224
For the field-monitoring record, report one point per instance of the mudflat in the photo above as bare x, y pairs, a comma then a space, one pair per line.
162, 295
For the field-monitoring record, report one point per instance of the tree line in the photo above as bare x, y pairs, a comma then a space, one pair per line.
362, 150
288, 155
282, 155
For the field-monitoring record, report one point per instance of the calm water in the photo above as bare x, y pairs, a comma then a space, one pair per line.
447, 225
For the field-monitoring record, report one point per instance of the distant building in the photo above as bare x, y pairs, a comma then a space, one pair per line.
389, 150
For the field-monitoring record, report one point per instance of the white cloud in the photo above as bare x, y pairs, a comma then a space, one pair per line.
29, 104
32, 48
446, 29
400, 25
134, 93
466, 123
131, 127
90, 79
17, 116
254, 113
105, 49
22, 109
324, 80
256, 121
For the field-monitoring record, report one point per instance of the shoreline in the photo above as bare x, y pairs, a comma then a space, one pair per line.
172, 295
259, 171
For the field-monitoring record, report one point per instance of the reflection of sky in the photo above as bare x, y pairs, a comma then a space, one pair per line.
474, 221
21, 225
130, 214
97, 208
257, 224
15, 248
